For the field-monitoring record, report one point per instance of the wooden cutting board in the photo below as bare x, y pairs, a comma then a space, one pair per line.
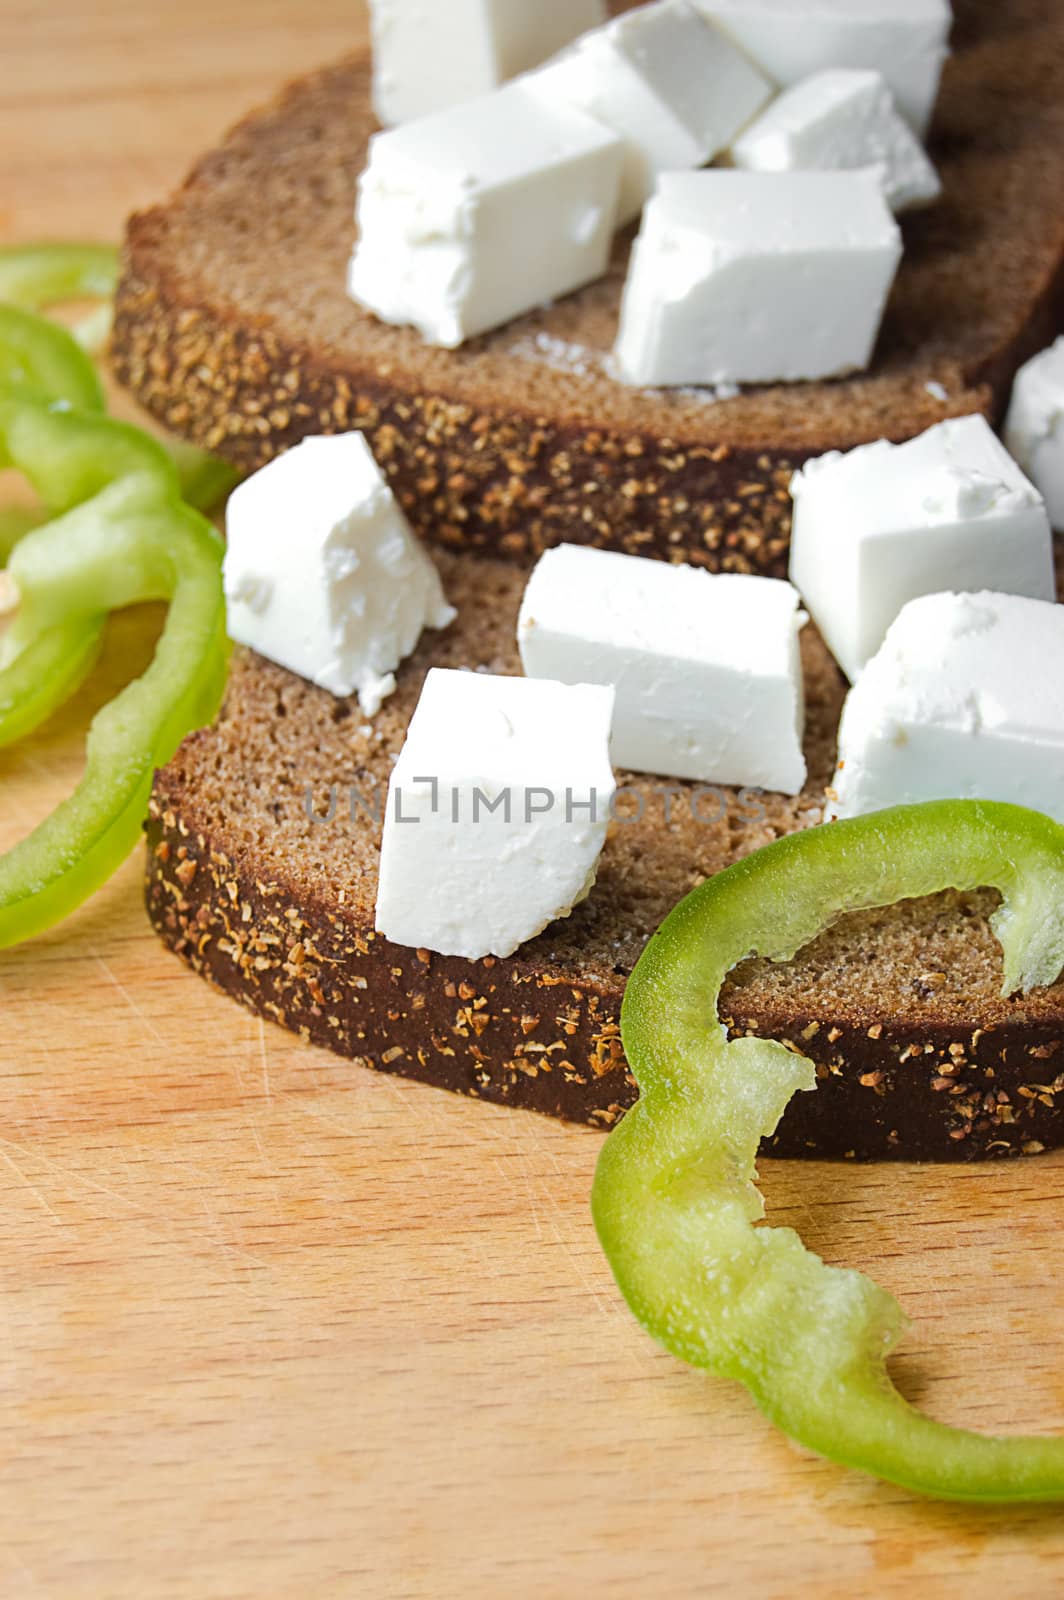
275, 1326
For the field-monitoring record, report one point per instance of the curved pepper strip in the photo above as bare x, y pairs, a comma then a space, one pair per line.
40, 357
205, 480
41, 361
122, 536
675, 1203
35, 277
157, 549
69, 457
15, 523
45, 675
131, 543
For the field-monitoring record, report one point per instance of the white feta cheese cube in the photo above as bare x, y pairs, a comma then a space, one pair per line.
906, 40
744, 277
877, 527
965, 701
706, 667
840, 119
675, 90
431, 54
1034, 428
497, 812
478, 214
322, 572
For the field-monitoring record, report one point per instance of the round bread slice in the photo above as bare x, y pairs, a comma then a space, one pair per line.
262, 874
234, 329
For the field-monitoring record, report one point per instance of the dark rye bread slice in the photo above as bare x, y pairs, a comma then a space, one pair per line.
233, 328
917, 1053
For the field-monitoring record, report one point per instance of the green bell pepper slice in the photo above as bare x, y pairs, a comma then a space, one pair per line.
95, 559
69, 457
15, 523
204, 480
675, 1202
44, 373
37, 276
41, 355
44, 676
120, 533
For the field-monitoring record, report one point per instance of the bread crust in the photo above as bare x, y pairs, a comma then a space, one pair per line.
919, 1057
513, 1033
232, 327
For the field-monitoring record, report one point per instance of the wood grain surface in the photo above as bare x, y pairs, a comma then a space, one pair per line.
275, 1326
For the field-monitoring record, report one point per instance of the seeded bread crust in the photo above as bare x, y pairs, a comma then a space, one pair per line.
917, 1054
233, 328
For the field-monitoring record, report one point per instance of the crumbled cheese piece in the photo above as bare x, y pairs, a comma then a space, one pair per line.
431, 54
675, 90
885, 523
906, 40
478, 214
965, 700
1034, 429
561, 355
840, 119
322, 572
741, 277
706, 666
497, 812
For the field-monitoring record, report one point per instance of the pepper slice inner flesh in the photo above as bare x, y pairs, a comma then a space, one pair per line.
675, 1202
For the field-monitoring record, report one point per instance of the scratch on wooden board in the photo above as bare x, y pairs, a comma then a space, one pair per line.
30, 1185
266, 1163
265, 1060
233, 1255
609, 1307
156, 1227
70, 1177
250, 1101
526, 1176
128, 998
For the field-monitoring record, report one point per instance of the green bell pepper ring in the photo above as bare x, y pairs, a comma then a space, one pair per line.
205, 480
69, 457
34, 277
161, 550
45, 675
43, 374
41, 369
675, 1202
120, 534
15, 523
41, 357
